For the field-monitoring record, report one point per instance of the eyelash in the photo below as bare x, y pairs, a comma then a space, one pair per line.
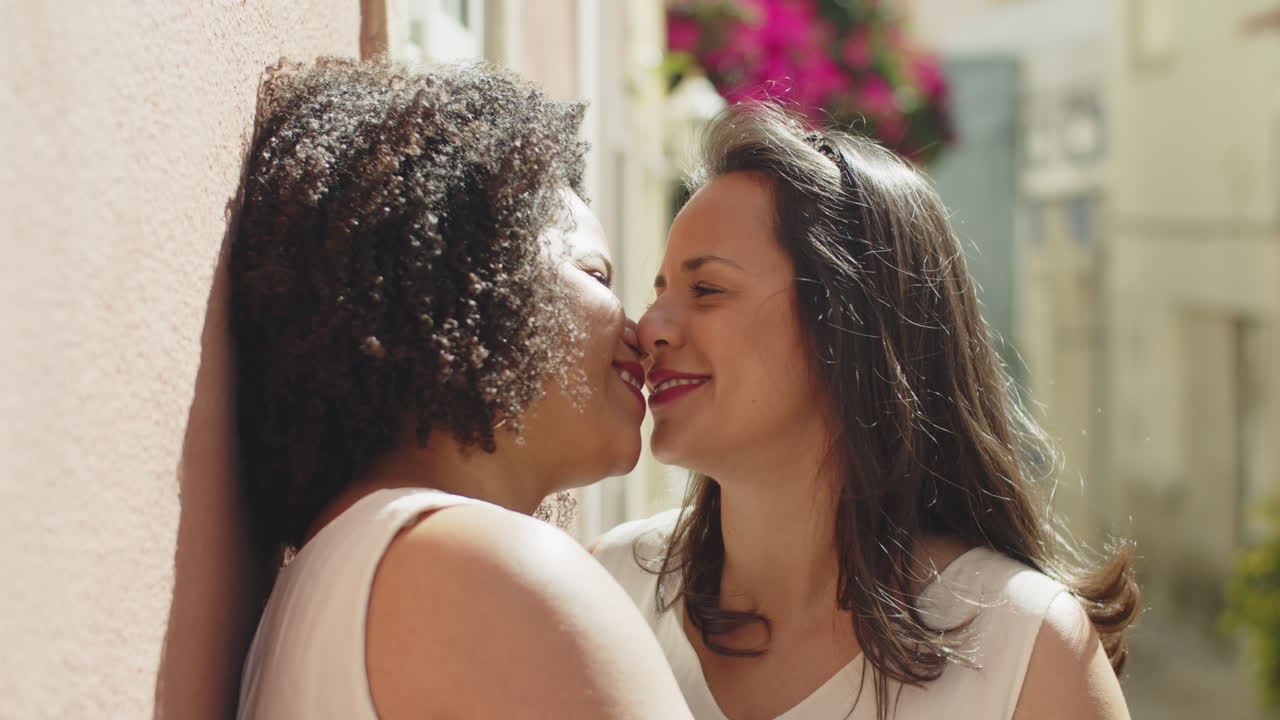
602, 277
697, 290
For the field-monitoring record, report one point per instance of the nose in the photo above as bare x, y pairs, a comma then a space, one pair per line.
657, 329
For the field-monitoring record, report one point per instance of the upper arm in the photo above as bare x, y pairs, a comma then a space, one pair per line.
484, 613
1069, 675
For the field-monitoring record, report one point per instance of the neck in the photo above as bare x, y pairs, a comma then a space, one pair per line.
505, 477
791, 567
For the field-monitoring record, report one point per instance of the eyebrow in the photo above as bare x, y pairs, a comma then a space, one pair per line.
694, 263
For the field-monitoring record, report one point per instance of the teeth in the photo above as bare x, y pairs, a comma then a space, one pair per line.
677, 382
629, 379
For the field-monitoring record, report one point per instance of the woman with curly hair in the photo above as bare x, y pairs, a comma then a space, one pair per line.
863, 536
427, 346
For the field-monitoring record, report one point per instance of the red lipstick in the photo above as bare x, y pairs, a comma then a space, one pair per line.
636, 371
668, 385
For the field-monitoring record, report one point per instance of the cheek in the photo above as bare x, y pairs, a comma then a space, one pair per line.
600, 317
776, 313
783, 355
796, 359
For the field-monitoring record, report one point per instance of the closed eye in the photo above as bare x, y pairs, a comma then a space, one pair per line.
700, 290
601, 277
597, 265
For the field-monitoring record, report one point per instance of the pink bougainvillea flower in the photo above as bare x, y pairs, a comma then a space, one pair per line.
789, 51
683, 33
782, 31
739, 54
822, 80
792, 61
896, 39
735, 93
929, 76
857, 48
891, 129
875, 96
786, 24
829, 78
765, 53
824, 35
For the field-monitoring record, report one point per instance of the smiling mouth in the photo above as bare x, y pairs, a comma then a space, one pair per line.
674, 388
632, 374
628, 377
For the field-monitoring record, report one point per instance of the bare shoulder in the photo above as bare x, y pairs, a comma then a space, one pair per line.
1069, 675
476, 598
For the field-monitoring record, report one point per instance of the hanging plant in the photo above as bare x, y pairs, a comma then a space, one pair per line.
1253, 607
842, 62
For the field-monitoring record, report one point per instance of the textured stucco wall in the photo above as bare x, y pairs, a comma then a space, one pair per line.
121, 142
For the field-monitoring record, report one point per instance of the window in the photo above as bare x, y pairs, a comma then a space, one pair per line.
421, 31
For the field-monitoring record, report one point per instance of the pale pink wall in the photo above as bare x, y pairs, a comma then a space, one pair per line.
121, 138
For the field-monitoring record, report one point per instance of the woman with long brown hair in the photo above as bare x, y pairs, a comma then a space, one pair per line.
865, 534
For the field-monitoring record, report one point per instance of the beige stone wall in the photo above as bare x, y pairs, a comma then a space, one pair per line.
1151, 353
1189, 291
123, 133
934, 21
1191, 284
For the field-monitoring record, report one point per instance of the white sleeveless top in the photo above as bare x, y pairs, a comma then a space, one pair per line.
1005, 599
307, 660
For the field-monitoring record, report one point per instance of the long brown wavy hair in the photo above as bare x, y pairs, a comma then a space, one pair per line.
929, 431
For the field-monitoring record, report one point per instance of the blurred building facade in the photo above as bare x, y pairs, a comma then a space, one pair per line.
1189, 291
1144, 288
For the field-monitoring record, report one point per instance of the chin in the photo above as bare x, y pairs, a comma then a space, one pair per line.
627, 459
608, 461
665, 450
668, 451
664, 456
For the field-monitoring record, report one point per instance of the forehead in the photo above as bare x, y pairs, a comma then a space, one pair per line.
579, 232
731, 215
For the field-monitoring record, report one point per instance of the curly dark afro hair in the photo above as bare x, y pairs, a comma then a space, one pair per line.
387, 268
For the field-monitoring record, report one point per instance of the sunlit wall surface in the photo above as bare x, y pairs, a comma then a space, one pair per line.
124, 130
